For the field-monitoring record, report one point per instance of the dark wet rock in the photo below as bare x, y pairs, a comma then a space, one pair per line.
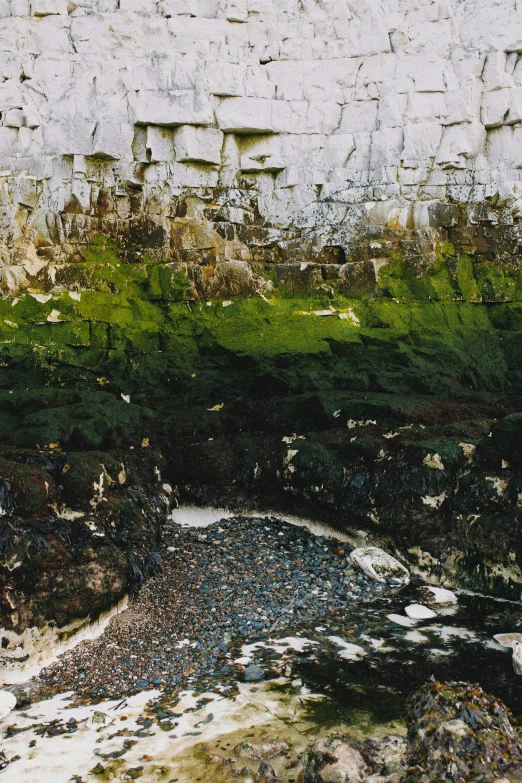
79, 528
456, 732
504, 445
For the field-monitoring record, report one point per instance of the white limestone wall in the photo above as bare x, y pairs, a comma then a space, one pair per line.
391, 104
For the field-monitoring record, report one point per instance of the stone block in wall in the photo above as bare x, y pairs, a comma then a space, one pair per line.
113, 140
202, 8
198, 145
426, 106
461, 106
225, 79
443, 215
245, 115
81, 190
171, 107
359, 116
517, 147
11, 95
461, 143
421, 143
390, 114
73, 137
387, 146
159, 144
226, 279
196, 31
291, 177
49, 7
515, 109
139, 144
494, 75
261, 154
301, 277
79, 167
359, 277
145, 7
14, 118
20, 8
289, 116
495, 108
236, 10
193, 175
31, 117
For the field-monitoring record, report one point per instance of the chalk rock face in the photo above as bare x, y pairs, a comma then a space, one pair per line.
342, 120
380, 565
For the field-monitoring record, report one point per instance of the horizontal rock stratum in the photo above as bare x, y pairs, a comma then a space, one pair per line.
329, 124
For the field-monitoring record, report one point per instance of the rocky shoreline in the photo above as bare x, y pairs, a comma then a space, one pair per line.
252, 605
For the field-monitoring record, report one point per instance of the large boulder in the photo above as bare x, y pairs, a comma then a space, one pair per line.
457, 732
379, 565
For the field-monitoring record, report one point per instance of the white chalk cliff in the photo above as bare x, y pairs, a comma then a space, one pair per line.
319, 116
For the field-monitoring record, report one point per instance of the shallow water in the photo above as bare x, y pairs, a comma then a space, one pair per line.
320, 682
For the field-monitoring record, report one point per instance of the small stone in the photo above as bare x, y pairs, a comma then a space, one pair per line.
420, 612
253, 673
438, 595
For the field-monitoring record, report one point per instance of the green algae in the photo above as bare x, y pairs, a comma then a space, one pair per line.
217, 384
